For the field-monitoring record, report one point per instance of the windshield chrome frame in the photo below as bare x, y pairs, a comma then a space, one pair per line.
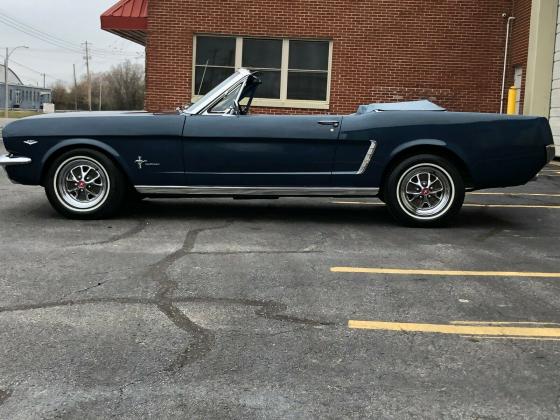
207, 101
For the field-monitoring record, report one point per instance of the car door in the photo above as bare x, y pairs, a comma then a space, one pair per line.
260, 150
149, 146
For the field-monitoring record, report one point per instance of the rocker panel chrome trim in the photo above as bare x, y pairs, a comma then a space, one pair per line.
256, 191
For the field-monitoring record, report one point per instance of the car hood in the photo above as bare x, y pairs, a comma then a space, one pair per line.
83, 114
93, 124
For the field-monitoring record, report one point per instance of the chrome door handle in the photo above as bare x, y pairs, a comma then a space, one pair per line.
333, 123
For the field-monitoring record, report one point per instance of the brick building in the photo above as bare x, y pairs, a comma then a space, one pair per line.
330, 56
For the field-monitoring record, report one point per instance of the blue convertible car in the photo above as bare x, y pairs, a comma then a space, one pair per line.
417, 158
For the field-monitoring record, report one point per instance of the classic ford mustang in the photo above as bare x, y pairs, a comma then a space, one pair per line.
416, 157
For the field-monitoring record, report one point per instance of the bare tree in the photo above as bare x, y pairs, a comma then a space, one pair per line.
60, 95
122, 88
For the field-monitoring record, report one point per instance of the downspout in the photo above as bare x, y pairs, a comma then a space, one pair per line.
510, 19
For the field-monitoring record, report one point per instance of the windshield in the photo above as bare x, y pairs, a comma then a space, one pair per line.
228, 101
221, 86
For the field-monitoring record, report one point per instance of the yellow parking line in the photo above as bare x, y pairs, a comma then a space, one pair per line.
513, 206
442, 272
470, 330
503, 323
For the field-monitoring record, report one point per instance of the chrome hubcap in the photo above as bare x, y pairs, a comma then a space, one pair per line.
425, 190
82, 183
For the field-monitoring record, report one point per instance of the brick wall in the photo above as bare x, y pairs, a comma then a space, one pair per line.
450, 51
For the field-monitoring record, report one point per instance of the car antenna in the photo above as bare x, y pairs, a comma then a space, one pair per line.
202, 80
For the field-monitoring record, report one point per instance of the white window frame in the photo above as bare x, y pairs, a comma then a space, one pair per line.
283, 102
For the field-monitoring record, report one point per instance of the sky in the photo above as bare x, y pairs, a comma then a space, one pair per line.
71, 22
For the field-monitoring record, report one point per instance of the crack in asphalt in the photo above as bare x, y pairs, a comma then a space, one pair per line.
203, 339
135, 230
99, 283
266, 308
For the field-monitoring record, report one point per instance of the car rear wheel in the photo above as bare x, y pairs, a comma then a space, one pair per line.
424, 190
85, 184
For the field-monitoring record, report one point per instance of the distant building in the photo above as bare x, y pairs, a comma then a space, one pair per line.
21, 96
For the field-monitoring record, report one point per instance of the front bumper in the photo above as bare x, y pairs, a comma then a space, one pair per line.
9, 160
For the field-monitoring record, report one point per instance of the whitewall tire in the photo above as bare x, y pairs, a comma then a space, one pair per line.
424, 190
85, 184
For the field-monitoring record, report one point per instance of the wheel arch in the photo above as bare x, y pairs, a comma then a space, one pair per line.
427, 146
82, 143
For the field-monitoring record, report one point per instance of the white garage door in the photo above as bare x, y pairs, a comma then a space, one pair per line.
555, 95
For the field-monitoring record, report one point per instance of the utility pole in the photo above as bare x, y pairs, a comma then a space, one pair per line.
6, 86
44, 84
75, 89
88, 75
100, 89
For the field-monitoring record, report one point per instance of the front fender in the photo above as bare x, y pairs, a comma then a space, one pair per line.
79, 143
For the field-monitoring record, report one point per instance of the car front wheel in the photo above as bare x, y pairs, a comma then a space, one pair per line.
424, 190
85, 184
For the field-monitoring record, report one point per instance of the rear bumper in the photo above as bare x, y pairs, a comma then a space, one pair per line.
550, 152
9, 160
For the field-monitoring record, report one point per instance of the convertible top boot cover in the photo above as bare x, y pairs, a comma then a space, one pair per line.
423, 105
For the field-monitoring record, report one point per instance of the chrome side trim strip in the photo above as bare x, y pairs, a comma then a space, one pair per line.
256, 191
7, 160
367, 157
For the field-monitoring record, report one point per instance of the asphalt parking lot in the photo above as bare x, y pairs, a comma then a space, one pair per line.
292, 308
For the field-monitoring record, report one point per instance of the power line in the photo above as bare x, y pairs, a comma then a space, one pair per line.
51, 39
31, 69
37, 35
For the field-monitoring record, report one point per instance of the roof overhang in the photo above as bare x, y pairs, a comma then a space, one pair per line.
128, 19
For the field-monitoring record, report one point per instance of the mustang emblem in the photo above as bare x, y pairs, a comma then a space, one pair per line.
31, 142
140, 162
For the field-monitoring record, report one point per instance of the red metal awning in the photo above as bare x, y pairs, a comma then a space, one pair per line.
127, 18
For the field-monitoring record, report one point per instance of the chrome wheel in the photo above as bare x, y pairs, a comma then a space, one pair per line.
425, 191
81, 183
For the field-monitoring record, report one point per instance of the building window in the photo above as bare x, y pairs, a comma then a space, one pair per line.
264, 56
294, 72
